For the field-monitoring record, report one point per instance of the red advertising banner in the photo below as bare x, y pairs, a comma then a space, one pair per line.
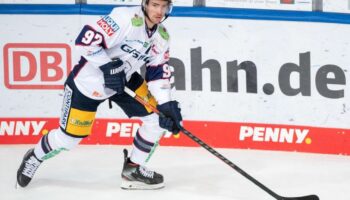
216, 134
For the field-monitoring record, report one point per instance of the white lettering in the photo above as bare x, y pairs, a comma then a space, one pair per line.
259, 134
245, 131
135, 128
125, 130
301, 134
112, 128
286, 135
7, 128
37, 127
269, 134
22, 128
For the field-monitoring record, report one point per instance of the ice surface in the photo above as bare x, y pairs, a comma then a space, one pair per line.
93, 172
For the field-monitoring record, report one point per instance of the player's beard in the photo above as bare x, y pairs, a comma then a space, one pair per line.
155, 20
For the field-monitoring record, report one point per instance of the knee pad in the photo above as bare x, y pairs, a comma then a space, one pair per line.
58, 139
150, 129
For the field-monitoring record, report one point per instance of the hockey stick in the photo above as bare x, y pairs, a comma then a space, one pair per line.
218, 155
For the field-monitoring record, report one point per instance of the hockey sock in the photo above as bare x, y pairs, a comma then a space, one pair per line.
53, 143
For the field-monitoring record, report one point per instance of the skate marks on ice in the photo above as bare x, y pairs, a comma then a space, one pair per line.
93, 172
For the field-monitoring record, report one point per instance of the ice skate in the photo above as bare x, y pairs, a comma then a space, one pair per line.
137, 177
28, 168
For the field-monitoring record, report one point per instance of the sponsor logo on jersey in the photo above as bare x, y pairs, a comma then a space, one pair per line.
25, 128
136, 41
96, 94
67, 100
77, 122
80, 122
135, 53
144, 44
163, 33
108, 25
137, 21
155, 50
278, 135
94, 53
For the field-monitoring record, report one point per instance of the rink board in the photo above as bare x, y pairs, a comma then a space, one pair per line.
216, 134
234, 83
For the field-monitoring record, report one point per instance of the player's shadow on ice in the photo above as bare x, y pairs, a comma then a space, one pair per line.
112, 183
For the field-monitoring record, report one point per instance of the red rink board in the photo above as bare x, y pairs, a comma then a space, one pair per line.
215, 134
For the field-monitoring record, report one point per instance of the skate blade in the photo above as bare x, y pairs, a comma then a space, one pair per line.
17, 185
136, 185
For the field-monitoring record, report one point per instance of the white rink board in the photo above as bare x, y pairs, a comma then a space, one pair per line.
137, 2
301, 5
340, 6
116, 2
268, 44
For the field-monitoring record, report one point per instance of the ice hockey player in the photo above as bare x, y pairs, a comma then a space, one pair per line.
112, 49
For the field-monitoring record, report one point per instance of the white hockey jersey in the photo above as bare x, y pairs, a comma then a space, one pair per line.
123, 34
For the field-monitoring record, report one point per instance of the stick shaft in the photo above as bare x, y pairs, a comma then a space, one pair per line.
220, 156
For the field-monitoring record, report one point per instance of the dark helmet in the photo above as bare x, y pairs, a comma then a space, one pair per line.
144, 4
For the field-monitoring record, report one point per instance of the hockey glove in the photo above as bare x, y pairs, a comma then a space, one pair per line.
114, 75
172, 118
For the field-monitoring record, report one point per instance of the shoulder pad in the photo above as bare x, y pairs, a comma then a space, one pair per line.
163, 33
137, 21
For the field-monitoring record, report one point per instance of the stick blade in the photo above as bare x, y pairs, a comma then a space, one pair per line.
309, 197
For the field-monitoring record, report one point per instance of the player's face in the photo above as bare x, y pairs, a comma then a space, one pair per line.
156, 10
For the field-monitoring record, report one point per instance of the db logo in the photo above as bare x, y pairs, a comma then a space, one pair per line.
36, 66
